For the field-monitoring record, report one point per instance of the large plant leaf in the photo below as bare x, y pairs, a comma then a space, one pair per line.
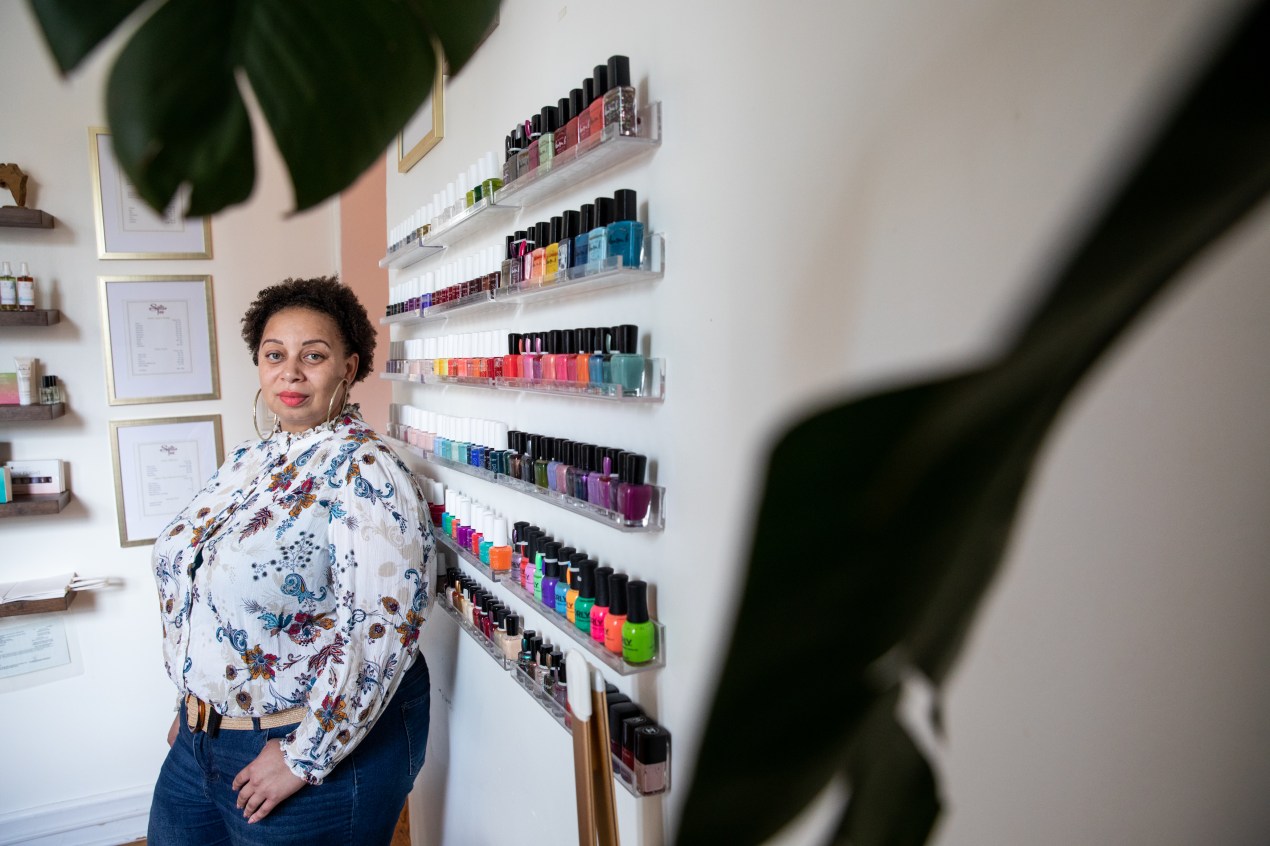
73, 28
923, 483
335, 81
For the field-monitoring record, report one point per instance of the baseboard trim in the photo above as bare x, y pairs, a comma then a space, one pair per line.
106, 819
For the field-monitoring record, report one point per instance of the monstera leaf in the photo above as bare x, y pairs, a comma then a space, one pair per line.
922, 483
335, 80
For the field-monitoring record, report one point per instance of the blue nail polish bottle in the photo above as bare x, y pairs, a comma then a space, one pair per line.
625, 233
626, 365
597, 245
578, 258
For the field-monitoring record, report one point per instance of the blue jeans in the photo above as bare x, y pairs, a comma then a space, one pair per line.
358, 802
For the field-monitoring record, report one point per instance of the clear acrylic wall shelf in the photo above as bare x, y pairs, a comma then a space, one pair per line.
653, 521
533, 688
612, 273
561, 625
474, 220
652, 387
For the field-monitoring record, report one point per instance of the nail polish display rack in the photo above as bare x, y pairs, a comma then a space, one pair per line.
527, 684
580, 639
653, 522
653, 390
575, 280
578, 163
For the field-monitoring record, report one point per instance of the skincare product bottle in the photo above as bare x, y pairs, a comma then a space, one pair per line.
26, 382
50, 392
8, 289
26, 289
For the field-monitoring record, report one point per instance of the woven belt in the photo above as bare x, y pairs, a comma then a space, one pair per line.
201, 716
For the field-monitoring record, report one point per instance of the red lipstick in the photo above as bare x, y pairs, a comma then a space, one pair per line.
291, 398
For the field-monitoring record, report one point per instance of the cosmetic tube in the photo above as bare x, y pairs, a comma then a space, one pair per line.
26, 383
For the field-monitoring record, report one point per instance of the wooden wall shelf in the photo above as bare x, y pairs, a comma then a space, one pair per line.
39, 317
25, 218
34, 505
12, 413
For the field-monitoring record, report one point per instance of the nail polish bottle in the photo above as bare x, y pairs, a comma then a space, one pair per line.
549, 117
584, 116
542, 231
600, 76
633, 496
549, 581
522, 156
593, 480
549, 552
545, 449
560, 138
568, 456
586, 596
575, 585
527, 567
610, 481
598, 361
564, 586
542, 667
568, 234
582, 366
616, 618
509, 643
639, 638
535, 133
586, 222
652, 760
597, 243
626, 365
625, 237
549, 683
528, 655
619, 100
625, 754
552, 255
600, 609
562, 689
500, 552
567, 362
511, 152
576, 468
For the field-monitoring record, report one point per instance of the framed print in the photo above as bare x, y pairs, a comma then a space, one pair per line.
127, 228
160, 337
159, 465
425, 130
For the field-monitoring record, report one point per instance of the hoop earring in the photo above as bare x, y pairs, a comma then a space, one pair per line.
330, 421
255, 417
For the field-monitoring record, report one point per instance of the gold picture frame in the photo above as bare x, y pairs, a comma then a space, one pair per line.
127, 228
159, 334
159, 464
427, 126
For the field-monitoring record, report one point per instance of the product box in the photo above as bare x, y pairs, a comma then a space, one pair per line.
6, 485
8, 389
45, 476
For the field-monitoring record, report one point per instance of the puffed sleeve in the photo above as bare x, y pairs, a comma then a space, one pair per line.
381, 552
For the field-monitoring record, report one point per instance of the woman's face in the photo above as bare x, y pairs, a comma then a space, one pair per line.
301, 362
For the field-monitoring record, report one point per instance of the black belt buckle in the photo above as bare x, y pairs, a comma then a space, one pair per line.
213, 722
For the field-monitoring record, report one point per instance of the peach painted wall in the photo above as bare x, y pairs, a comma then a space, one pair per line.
363, 219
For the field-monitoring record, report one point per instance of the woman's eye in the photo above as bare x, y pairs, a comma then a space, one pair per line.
315, 357
273, 356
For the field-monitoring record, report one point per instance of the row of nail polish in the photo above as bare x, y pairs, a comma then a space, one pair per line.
603, 105
576, 243
605, 355
470, 187
607, 477
640, 748
478, 273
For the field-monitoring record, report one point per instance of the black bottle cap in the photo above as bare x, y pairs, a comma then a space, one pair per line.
652, 744
586, 340
513, 348
511, 247
637, 601
619, 72
549, 118
633, 467
619, 711
564, 110
513, 625
602, 586
575, 559
588, 578
561, 675
519, 527
577, 102
544, 654
515, 141
587, 223
557, 346
588, 92
570, 348
527, 638
625, 205
604, 207
565, 553
557, 658
626, 338
551, 551
557, 229
615, 697
507, 147
600, 75
617, 594
626, 739
535, 127
572, 225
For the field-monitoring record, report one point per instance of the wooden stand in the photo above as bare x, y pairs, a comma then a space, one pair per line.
26, 218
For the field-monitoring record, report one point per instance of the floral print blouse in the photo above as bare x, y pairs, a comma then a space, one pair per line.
299, 576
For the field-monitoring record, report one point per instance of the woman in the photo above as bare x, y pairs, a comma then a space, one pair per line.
292, 590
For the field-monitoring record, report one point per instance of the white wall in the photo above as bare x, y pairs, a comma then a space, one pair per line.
853, 192
103, 730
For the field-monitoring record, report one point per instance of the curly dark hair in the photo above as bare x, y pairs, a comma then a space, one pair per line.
324, 295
